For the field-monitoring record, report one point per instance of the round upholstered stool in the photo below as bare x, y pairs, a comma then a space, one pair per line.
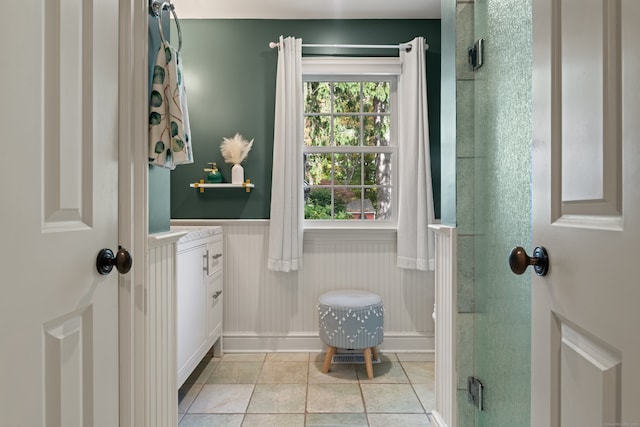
351, 319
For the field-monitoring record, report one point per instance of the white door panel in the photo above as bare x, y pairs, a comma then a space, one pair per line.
59, 357
585, 350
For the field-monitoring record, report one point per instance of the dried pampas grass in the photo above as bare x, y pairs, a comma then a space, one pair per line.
235, 150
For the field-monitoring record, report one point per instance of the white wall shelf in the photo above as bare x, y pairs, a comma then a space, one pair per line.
247, 185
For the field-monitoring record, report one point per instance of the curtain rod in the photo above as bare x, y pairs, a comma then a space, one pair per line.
406, 46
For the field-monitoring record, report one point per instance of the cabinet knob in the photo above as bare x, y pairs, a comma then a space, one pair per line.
217, 294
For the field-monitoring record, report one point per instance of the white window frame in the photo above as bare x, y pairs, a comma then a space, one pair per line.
359, 69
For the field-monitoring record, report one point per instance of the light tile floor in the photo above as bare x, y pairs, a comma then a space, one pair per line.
289, 390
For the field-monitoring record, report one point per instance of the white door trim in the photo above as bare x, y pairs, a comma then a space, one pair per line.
436, 419
133, 216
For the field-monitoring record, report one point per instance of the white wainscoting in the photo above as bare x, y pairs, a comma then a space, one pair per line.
272, 311
445, 313
161, 343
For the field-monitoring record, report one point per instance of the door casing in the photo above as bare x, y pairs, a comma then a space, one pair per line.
133, 224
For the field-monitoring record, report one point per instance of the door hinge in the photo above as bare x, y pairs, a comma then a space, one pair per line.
475, 392
476, 55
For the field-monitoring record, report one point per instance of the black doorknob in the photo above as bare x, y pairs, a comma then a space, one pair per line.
106, 260
519, 260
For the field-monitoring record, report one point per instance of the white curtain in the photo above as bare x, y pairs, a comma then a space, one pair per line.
415, 200
286, 223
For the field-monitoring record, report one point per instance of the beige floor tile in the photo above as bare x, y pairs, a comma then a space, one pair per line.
332, 420
390, 398
340, 398
222, 399
404, 420
278, 398
419, 372
427, 395
338, 373
289, 389
236, 373
416, 357
383, 373
211, 420
284, 373
273, 420
317, 357
244, 357
287, 357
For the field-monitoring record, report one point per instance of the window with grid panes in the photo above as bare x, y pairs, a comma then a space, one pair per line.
349, 150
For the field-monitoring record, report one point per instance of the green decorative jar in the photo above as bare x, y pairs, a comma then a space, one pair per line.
214, 176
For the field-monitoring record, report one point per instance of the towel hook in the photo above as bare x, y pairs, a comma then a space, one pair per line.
156, 9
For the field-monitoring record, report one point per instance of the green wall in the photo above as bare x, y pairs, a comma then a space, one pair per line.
230, 76
447, 159
159, 178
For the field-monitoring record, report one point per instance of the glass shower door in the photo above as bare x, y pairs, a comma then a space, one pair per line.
502, 210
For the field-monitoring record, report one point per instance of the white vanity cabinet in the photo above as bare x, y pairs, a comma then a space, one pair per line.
199, 297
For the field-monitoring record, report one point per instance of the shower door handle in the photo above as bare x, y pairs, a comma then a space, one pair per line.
519, 260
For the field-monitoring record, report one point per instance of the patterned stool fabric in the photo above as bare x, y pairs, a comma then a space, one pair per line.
351, 319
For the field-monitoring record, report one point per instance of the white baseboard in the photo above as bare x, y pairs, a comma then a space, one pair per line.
310, 342
436, 419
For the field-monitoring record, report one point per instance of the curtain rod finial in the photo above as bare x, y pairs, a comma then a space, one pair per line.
273, 45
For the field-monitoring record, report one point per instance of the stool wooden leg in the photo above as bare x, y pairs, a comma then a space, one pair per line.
327, 359
367, 362
374, 352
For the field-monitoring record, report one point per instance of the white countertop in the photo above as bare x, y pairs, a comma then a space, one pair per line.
196, 232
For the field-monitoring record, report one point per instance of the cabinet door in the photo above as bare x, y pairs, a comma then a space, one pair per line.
192, 308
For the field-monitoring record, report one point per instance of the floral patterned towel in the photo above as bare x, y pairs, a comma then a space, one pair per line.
169, 132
